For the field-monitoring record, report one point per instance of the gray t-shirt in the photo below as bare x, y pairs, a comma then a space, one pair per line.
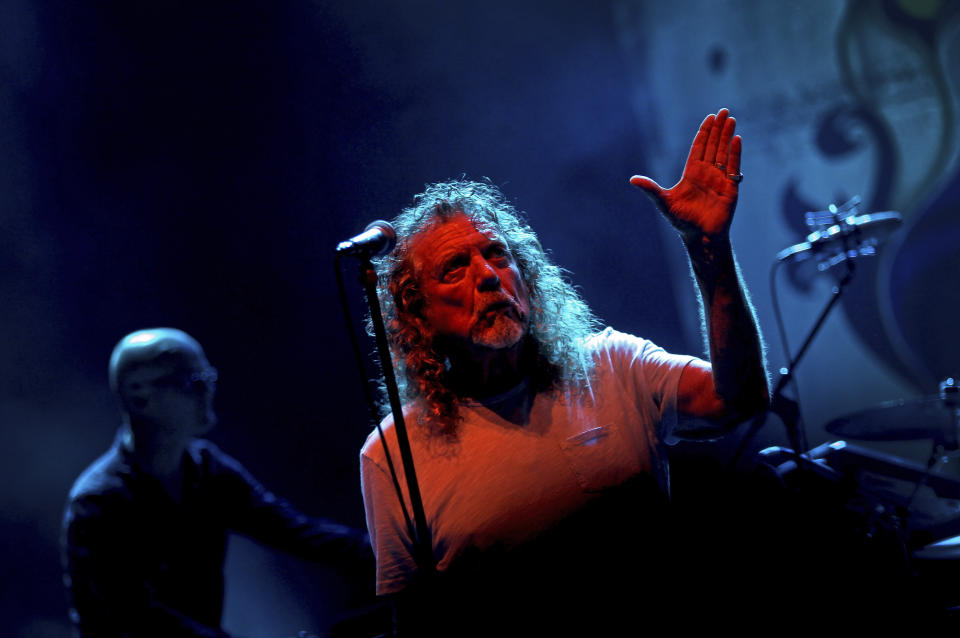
498, 484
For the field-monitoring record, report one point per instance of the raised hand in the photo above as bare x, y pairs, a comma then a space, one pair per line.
703, 201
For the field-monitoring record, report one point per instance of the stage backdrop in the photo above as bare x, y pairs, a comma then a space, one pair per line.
833, 100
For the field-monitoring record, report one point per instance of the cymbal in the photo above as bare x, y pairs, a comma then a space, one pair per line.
848, 237
841, 235
925, 418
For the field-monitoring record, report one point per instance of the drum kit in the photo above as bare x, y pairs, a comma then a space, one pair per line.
917, 503
907, 509
925, 499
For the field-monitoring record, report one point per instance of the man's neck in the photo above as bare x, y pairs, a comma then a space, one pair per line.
484, 372
158, 455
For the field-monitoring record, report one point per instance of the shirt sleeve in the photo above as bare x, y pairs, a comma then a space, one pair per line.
392, 545
651, 375
251, 509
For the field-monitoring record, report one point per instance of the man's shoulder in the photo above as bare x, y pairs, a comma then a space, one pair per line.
608, 334
619, 353
212, 463
101, 495
102, 478
372, 449
611, 340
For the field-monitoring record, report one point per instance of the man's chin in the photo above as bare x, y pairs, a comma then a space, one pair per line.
503, 333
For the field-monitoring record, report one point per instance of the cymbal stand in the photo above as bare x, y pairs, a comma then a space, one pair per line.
784, 407
945, 446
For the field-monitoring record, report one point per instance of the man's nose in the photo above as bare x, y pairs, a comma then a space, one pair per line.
487, 277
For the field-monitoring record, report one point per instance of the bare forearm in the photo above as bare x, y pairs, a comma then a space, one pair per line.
700, 207
733, 336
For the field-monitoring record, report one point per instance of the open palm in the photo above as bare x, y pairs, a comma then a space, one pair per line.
703, 201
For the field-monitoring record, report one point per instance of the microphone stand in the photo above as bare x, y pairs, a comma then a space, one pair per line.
422, 546
784, 407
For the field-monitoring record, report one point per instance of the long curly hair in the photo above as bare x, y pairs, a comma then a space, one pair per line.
559, 317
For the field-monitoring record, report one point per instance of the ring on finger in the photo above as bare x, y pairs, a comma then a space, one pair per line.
737, 177
721, 166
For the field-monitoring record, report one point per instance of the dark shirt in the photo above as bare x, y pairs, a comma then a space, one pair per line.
140, 564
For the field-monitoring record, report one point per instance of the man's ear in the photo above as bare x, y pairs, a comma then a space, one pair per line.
410, 301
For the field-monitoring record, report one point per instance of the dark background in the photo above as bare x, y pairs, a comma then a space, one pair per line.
193, 164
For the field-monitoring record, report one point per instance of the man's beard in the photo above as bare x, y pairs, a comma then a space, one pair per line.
502, 329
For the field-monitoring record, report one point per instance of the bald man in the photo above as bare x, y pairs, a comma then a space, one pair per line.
145, 527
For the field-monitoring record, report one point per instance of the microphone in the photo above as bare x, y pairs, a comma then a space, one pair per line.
378, 238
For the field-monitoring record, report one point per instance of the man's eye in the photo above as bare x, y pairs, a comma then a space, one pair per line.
451, 274
496, 251
454, 268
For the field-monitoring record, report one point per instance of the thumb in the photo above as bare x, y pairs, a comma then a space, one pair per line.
648, 185
650, 188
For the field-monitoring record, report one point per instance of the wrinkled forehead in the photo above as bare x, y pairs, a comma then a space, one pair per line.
448, 234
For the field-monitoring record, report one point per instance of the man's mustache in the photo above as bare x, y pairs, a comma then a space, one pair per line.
496, 303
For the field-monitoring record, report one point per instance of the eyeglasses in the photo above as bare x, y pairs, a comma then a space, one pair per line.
191, 382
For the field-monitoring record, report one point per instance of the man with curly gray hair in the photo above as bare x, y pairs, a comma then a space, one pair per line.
553, 313
537, 438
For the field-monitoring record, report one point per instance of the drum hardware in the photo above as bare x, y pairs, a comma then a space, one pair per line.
838, 528
850, 459
907, 511
838, 236
910, 506
880, 489
833, 470
933, 417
